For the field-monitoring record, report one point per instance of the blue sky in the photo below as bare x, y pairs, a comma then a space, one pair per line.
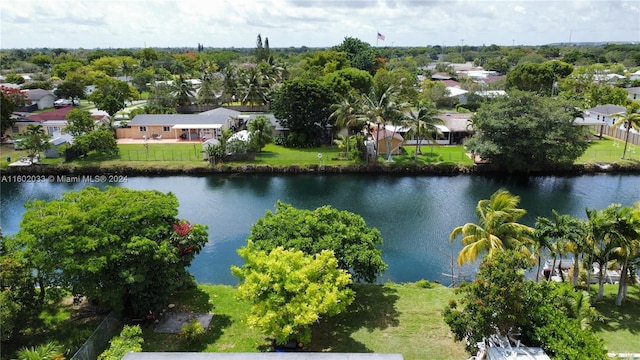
320, 23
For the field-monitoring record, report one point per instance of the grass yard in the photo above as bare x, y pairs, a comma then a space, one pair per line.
609, 150
389, 318
621, 326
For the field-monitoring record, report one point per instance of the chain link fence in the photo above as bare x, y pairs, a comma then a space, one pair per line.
99, 340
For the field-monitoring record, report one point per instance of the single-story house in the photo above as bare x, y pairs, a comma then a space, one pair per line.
458, 126
43, 98
52, 121
201, 127
57, 140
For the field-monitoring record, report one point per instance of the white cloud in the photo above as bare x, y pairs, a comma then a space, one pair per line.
320, 23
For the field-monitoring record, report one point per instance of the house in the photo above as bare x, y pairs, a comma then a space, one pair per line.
604, 113
57, 140
52, 121
43, 98
459, 94
458, 126
634, 93
201, 127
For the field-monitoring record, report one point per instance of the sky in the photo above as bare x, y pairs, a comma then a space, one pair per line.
104, 24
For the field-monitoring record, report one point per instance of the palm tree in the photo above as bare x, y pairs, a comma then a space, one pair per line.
497, 229
631, 119
346, 116
601, 234
381, 106
424, 122
254, 87
557, 236
628, 244
184, 91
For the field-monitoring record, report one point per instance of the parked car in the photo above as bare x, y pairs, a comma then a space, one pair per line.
62, 103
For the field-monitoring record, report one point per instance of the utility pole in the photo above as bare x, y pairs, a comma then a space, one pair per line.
461, 45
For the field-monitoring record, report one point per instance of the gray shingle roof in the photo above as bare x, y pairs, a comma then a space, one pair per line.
607, 109
215, 116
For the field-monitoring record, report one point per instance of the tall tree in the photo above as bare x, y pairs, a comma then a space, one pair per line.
631, 119
381, 106
346, 234
497, 229
524, 132
110, 95
558, 235
304, 106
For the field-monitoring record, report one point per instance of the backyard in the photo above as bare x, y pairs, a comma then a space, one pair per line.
171, 155
385, 318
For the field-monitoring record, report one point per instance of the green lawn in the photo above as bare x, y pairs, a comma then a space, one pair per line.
620, 328
389, 318
189, 155
608, 150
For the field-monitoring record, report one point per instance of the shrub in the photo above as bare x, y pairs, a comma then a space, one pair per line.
129, 340
192, 331
425, 284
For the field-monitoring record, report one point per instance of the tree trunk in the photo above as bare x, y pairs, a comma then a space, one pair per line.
626, 140
622, 284
576, 267
601, 272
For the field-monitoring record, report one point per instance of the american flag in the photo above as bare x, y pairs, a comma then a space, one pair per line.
380, 37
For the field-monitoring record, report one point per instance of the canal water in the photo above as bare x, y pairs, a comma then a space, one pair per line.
415, 214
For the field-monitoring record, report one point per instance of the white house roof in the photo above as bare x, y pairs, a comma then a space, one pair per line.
456, 91
240, 135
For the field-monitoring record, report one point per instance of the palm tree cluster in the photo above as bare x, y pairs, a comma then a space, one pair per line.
609, 238
382, 106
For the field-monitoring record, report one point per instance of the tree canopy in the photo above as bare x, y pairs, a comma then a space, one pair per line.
304, 106
325, 228
122, 248
290, 290
525, 132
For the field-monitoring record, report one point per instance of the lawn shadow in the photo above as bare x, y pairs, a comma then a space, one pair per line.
615, 318
213, 334
373, 309
192, 300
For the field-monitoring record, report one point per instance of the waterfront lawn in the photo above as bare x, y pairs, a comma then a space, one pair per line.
608, 150
389, 318
620, 327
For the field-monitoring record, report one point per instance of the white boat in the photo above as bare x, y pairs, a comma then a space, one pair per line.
610, 276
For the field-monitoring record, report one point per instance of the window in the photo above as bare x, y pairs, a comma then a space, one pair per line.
166, 128
143, 128
53, 129
15, 129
